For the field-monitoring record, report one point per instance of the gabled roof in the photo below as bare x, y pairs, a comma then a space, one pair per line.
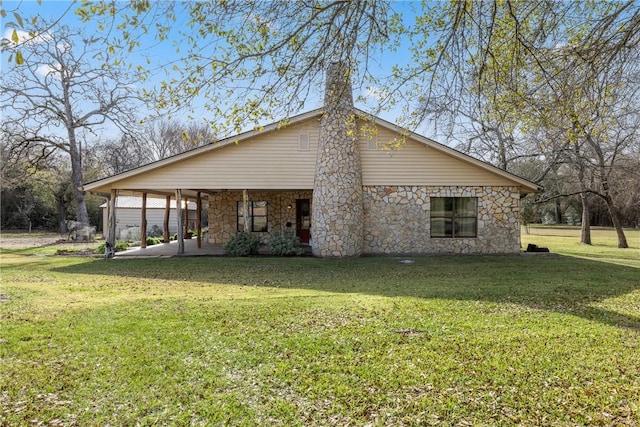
236, 139
533, 188
525, 185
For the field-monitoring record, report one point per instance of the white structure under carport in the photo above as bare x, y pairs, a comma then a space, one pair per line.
129, 216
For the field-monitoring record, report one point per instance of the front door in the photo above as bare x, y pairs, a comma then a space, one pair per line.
303, 220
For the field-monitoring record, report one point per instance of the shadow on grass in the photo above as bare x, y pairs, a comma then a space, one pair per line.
555, 283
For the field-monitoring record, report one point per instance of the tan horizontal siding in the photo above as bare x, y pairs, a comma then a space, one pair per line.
417, 164
272, 160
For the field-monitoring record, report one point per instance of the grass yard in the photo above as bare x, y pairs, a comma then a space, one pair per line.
448, 340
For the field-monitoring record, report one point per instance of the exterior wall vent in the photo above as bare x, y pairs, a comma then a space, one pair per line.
303, 142
372, 144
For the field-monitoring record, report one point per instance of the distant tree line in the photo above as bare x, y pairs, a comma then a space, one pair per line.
547, 90
38, 194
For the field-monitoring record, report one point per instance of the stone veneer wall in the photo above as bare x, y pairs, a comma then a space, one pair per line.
337, 210
223, 212
397, 220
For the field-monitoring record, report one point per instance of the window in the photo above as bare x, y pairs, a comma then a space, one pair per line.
258, 216
454, 217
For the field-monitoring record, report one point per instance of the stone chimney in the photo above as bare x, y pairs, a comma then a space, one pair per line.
337, 217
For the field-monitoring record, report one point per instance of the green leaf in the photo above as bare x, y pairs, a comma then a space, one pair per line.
18, 19
14, 36
19, 58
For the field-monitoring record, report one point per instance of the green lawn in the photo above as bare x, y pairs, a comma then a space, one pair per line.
448, 340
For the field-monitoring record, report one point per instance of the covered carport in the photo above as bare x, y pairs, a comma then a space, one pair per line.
182, 199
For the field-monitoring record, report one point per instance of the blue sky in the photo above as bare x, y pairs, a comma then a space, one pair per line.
165, 52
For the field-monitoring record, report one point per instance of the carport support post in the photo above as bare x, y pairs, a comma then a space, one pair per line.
167, 214
199, 218
186, 216
143, 222
245, 210
111, 235
179, 218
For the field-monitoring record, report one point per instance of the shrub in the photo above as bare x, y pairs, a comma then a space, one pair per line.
285, 243
242, 244
153, 241
120, 246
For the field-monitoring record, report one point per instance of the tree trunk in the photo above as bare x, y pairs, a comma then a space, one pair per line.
606, 194
246, 211
585, 235
76, 157
111, 234
622, 239
558, 211
186, 216
165, 225
179, 219
143, 222
76, 179
615, 218
199, 218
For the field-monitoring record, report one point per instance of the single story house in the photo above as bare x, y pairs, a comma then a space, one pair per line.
419, 197
130, 214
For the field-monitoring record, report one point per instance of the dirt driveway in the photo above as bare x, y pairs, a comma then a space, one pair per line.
24, 240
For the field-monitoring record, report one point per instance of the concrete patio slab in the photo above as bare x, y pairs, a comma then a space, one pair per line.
168, 250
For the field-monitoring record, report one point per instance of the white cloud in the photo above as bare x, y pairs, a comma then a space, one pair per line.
25, 37
376, 93
45, 69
